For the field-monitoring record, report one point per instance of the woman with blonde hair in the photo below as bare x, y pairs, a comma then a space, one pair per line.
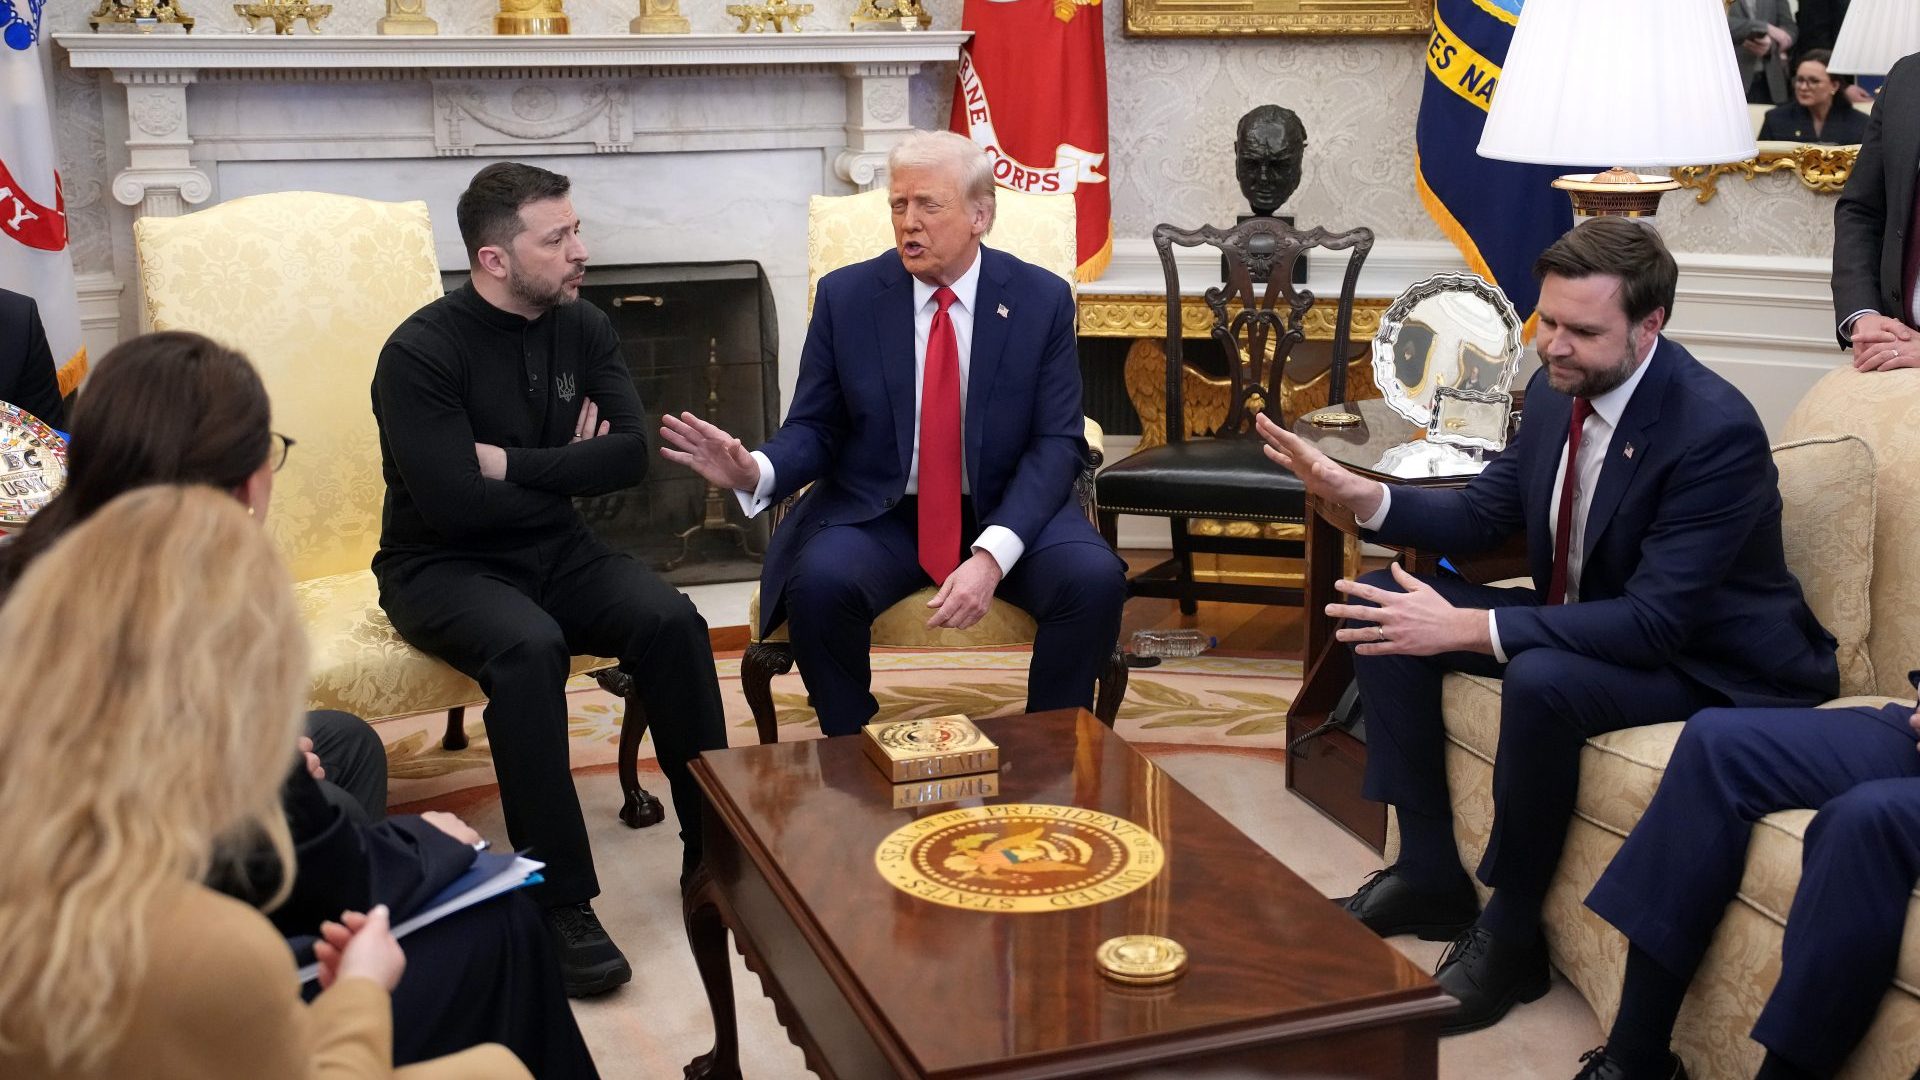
167, 668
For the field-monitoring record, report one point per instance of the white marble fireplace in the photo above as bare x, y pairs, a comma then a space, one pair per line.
687, 148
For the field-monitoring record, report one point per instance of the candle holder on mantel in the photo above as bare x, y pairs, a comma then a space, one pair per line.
779, 14
660, 17
143, 15
531, 17
906, 14
406, 17
283, 14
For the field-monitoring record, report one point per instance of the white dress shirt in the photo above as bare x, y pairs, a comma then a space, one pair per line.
1002, 543
1596, 438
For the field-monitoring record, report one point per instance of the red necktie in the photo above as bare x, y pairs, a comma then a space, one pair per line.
1563, 534
939, 501
1911, 275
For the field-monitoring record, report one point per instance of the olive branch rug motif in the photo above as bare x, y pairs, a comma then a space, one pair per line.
1202, 701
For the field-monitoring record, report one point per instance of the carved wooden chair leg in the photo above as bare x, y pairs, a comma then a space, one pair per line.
640, 808
456, 736
1112, 689
761, 662
1184, 554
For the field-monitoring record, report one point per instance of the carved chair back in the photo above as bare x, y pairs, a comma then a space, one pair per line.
1259, 315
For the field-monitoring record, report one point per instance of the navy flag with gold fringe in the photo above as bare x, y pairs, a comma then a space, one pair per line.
1500, 214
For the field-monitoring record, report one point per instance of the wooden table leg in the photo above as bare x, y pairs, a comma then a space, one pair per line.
707, 934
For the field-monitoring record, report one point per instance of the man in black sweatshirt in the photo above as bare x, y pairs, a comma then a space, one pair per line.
497, 404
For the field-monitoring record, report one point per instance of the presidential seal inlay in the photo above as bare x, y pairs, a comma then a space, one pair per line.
1019, 858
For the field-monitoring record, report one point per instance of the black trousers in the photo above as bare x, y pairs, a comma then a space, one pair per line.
1551, 702
355, 762
511, 620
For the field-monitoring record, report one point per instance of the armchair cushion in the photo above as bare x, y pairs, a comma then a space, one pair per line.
362, 666
1826, 520
1225, 477
904, 626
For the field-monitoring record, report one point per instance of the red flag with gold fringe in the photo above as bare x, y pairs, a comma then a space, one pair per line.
1032, 92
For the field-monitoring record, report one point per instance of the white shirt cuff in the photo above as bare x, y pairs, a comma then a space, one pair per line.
1846, 324
1003, 544
761, 497
1493, 635
1379, 516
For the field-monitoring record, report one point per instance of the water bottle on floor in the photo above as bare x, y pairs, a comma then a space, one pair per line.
1179, 642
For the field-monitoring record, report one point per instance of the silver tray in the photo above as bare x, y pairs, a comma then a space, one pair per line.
1452, 329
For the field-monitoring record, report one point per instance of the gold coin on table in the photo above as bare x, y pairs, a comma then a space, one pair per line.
1141, 958
1333, 419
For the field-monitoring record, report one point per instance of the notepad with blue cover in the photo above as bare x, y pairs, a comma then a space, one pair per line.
489, 876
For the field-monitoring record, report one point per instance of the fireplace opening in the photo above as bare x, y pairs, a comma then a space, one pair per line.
697, 337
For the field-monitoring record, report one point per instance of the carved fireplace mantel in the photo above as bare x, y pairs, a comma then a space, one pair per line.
494, 95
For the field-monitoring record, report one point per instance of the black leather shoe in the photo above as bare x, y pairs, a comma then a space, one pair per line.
1489, 977
1596, 1065
590, 963
1387, 905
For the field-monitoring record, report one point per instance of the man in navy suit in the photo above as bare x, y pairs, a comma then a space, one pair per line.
938, 418
27, 374
1671, 882
1652, 513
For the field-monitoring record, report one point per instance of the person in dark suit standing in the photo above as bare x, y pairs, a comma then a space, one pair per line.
1651, 508
1763, 32
27, 374
1876, 258
938, 418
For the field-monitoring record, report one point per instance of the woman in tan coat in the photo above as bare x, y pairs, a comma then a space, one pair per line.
155, 667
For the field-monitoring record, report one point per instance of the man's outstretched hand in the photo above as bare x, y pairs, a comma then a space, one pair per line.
1324, 477
715, 455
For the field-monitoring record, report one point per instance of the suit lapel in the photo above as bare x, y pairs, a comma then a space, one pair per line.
989, 342
893, 323
1618, 467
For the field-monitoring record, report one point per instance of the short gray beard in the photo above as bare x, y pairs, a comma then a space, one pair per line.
530, 294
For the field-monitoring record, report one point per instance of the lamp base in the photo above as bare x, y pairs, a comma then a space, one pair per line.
1615, 193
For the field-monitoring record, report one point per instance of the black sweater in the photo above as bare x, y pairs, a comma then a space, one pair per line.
461, 371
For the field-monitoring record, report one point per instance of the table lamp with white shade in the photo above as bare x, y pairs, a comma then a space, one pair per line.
1874, 35
1635, 83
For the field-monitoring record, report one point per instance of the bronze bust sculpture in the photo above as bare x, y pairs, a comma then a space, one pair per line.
1267, 148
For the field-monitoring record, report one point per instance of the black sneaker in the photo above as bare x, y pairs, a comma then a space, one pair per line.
590, 962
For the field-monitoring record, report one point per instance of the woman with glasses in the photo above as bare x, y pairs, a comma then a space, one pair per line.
177, 408
1820, 111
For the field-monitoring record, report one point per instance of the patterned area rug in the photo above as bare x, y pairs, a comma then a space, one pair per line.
1221, 701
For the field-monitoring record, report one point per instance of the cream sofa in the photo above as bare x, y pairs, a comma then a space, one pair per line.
1850, 481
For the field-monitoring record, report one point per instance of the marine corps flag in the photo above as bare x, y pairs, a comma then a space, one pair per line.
1500, 214
33, 215
1033, 93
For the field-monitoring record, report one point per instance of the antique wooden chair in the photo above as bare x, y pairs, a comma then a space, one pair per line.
1259, 318
309, 285
842, 230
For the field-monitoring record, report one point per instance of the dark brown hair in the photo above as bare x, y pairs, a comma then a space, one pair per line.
489, 210
166, 408
1617, 247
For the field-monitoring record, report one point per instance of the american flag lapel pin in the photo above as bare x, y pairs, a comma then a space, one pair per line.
1628, 451
1003, 311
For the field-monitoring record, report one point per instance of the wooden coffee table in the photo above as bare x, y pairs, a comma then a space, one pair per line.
871, 982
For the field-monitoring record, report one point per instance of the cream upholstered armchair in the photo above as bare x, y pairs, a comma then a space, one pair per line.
846, 229
309, 285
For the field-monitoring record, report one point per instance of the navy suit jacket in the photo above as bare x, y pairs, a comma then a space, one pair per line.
850, 430
27, 374
1683, 560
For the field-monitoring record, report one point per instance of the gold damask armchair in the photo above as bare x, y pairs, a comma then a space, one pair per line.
309, 285
842, 230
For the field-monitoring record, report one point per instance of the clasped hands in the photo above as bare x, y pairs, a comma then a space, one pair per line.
1417, 622
722, 461
587, 425
1882, 344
